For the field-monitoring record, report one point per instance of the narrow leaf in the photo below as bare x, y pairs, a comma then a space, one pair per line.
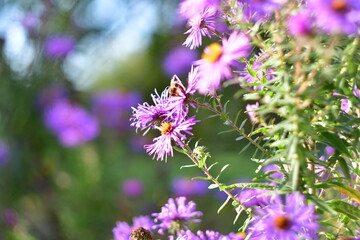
346, 208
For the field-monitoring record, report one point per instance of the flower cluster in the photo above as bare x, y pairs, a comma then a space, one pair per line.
71, 123
294, 220
173, 220
296, 62
168, 115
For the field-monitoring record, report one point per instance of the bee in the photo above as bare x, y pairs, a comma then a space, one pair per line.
176, 89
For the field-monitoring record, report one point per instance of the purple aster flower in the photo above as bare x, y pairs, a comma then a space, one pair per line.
277, 174
356, 91
113, 108
345, 104
175, 214
190, 8
201, 24
147, 116
170, 131
188, 187
179, 94
30, 21
217, 60
260, 70
178, 61
210, 235
254, 197
259, 10
300, 24
207, 235
328, 152
295, 220
251, 111
59, 46
72, 124
123, 230
132, 187
4, 154
336, 16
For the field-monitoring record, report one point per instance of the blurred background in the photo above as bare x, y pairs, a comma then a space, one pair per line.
70, 164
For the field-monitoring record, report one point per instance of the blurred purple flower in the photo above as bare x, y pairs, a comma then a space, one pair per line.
328, 152
170, 131
72, 124
59, 46
295, 220
132, 187
176, 210
178, 61
113, 108
345, 104
260, 10
30, 21
217, 60
300, 24
190, 8
336, 16
200, 25
251, 111
183, 186
4, 153
254, 197
123, 230
209, 235
10, 217
356, 91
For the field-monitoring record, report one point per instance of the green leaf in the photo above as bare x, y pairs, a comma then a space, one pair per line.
213, 186
222, 169
322, 204
346, 208
212, 165
224, 204
251, 71
244, 148
188, 166
203, 178
344, 167
342, 187
180, 149
239, 138
252, 186
226, 131
243, 123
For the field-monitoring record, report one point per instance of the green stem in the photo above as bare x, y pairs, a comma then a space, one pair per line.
190, 154
232, 124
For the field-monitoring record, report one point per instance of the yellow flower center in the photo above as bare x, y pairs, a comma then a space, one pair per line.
282, 222
339, 6
241, 234
166, 128
212, 52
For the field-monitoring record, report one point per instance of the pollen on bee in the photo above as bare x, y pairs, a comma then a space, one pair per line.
166, 128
